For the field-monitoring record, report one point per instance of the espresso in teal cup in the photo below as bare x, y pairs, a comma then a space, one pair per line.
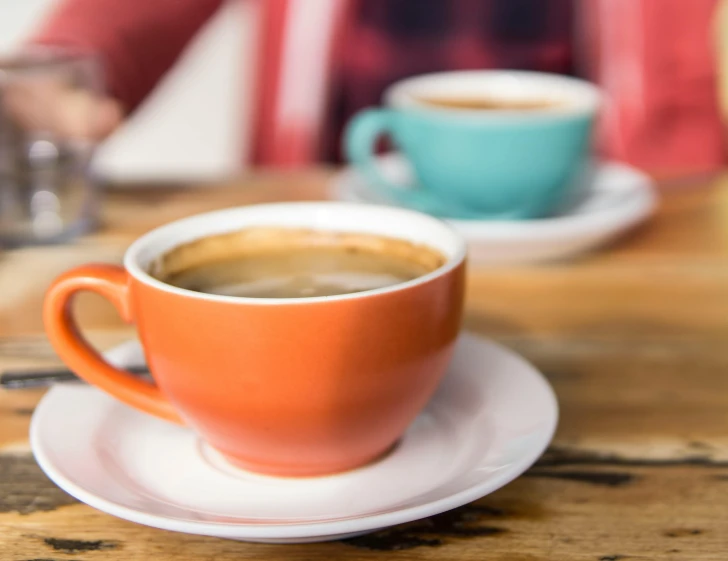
483, 144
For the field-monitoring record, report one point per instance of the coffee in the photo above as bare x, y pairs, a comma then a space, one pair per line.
484, 103
293, 263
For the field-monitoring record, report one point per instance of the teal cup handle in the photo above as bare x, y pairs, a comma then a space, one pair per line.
360, 140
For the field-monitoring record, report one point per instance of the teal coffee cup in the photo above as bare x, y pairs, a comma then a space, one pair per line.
483, 144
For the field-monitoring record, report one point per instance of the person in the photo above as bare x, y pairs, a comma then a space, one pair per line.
662, 95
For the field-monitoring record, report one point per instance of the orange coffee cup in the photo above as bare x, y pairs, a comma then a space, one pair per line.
296, 386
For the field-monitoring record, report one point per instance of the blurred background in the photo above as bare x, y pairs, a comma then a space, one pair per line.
271, 82
193, 126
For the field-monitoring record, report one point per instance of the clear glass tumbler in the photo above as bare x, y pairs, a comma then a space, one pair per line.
47, 108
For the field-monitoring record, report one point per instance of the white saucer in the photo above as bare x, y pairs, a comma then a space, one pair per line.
492, 417
618, 197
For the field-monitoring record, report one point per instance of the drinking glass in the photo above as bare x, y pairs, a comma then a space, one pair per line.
47, 108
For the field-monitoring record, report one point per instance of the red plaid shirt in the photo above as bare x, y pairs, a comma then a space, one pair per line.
662, 113
388, 40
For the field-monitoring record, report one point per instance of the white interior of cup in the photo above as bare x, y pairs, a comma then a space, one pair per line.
562, 95
327, 216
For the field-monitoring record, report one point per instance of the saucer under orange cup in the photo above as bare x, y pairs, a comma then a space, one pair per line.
290, 387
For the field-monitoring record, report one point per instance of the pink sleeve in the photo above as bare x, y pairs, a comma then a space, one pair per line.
657, 65
138, 40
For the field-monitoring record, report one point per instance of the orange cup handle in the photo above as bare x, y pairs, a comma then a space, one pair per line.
111, 282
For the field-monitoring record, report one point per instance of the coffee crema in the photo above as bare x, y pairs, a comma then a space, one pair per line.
484, 103
293, 263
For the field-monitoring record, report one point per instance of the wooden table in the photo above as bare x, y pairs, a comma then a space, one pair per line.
634, 339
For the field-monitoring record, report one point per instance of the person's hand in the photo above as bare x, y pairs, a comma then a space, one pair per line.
45, 105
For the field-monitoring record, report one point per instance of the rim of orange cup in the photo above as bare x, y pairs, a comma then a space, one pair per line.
164, 238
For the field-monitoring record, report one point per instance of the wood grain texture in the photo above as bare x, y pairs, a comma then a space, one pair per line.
593, 512
633, 339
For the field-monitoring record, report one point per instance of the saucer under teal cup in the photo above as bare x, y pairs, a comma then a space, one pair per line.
481, 163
